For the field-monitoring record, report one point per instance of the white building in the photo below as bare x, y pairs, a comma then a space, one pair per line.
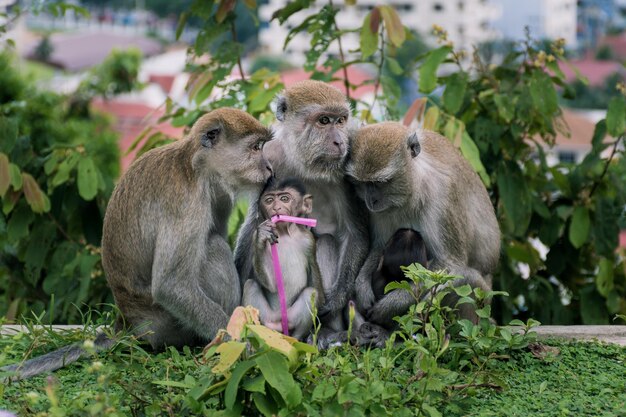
546, 19
468, 22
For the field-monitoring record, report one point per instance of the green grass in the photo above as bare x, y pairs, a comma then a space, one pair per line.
584, 379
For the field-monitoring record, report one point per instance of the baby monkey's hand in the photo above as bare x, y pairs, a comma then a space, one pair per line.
267, 232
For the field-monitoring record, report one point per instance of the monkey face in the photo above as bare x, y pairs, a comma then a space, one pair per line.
379, 165
229, 143
286, 201
314, 125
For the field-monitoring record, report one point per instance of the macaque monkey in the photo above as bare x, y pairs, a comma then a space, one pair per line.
312, 144
296, 251
164, 243
420, 181
404, 248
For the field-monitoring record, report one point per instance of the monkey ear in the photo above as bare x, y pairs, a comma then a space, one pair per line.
209, 137
281, 108
413, 144
307, 204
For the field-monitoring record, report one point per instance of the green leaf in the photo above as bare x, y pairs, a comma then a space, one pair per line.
428, 70
87, 178
292, 7
431, 117
579, 227
351, 392
472, 154
256, 384
463, 290
225, 7
543, 94
604, 278
18, 224
324, 391
16, 177
37, 200
616, 116
230, 394
393, 25
505, 107
265, 405
182, 21
484, 312
9, 129
592, 306
275, 369
229, 354
369, 38
5, 174
515, 198
394, 66
454, 92
63, 171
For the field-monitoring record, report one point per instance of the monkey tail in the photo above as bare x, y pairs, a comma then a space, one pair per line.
54, 360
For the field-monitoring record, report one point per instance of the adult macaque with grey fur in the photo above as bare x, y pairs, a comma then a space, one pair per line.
296, 252
164, 247
419, 180
312, 144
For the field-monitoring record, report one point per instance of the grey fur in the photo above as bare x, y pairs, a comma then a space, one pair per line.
164, 245
435, 192
55, 360
301, 150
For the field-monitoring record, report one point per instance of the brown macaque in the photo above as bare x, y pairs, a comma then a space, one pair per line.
297, 255
418, 180
164, 243
312, 141
404, 248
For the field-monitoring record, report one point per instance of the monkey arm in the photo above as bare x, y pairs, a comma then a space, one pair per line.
365, 297
245, 243
315, 278
353, 251
196, 282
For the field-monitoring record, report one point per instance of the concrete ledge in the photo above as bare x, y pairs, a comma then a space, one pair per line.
608, 334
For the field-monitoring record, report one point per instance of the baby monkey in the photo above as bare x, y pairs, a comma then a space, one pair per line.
404, 248
296, 252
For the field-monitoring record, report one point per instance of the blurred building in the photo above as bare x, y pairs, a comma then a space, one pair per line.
468, 23
546, 19
595, 17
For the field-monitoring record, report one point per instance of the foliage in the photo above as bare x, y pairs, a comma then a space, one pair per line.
434, 365
585, 96
57, 170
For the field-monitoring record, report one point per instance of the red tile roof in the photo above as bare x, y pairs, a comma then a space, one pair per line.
355, 76
617, 44
131, 119
595, 71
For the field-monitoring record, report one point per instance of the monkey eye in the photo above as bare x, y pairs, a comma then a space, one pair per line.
284, 198
269, 200
212, 134
258, 145
324, 120
341, 120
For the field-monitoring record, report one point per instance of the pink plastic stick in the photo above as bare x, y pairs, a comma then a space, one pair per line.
278, 272
297, 220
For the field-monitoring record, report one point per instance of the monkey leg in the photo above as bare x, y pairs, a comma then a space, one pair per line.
195, 282
253, 295
327, 260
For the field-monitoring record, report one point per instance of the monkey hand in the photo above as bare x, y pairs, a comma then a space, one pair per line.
266, 233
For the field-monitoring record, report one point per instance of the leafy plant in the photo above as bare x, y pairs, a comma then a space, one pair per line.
57, 170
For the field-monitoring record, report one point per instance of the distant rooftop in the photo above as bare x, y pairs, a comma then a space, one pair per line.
594, 70
80, 51
356, 76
